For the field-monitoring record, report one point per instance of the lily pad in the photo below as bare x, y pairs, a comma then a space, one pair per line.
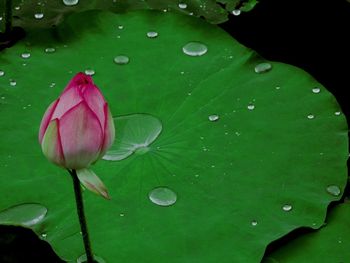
246, 152
328, 244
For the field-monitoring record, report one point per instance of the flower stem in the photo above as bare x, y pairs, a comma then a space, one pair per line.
81, 215
8, 16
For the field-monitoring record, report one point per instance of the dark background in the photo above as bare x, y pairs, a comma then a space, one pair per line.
313, 35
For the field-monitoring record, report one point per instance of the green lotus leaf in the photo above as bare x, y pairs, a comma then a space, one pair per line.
328, 244
218, 152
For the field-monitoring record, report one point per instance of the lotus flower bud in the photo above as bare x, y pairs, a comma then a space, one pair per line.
77, 128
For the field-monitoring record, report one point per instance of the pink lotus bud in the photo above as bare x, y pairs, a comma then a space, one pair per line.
77, 128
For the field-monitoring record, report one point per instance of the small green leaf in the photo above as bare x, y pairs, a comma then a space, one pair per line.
92, 182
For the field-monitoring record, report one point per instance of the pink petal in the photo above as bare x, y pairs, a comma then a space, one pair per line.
109, 131
79, 79
46, 119
51, 144
68, 100
81, 136
94, 98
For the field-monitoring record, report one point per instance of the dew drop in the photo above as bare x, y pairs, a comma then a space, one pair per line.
251, 106
38, 15
152, 34
83, 259
13, 82
121, 214
121, 60
25, 55
263, 67
70, 2
196, 175
287, 207
53, 84
28, 215
254, 223
120, 26
89, 72
236, 12
316, 90
195, 49
310, 116
17, 7
213, 117
278, 87
182, 6
43, 235
333, 190
2, 73
162, 196
50, 50
337, 113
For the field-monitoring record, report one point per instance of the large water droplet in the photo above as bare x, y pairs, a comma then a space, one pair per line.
182, 6
195, 49
316, 90
136, 133
13, 82
25, 55
50, 50
2, 73
152, 34
121, 60
263, 67
333, 190
162, 196
287, 207
39, 15
90, 72
70, 2
24, 214
236, 12
213, 117
82, 259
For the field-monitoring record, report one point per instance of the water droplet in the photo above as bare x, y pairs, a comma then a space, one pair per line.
50, 50
2, 73
162, 196
337, 113
333, 190
254, 223
287, 207
17, 7
236, 12
70, 2
90, 72
27, 215
263, 67
83, 259
136, 133
43, 235
121, 60
310, 116
13, 82
195, 49
120, 26
38, 15
182, 6
25, 55
196, 175
152, 34
251, 106
316, 90
121, 214
213, 117
53, 84
278, 87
